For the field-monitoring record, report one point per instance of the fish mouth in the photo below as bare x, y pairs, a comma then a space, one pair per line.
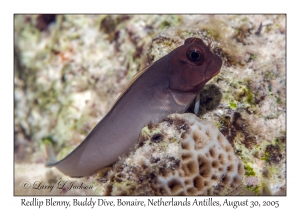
217, 72
219, 63
207, 78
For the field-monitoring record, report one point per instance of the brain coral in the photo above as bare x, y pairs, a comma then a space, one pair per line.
180, 156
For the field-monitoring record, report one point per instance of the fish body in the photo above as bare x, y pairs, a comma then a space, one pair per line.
167, 86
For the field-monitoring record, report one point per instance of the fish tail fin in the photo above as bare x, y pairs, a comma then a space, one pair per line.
50, 155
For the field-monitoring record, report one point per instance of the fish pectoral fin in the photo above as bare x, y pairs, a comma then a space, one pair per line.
181, 99
50, 155
197, 104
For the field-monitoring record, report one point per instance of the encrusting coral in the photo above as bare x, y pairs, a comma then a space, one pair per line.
182, 155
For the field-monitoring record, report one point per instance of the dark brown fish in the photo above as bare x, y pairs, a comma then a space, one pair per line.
167, 86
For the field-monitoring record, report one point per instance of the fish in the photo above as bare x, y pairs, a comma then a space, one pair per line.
167, 86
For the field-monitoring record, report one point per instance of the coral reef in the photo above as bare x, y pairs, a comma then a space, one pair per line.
69, 69
180, 156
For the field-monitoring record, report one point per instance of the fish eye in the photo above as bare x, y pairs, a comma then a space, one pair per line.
194, 55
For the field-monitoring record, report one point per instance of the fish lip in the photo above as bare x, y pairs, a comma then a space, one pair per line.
216, 73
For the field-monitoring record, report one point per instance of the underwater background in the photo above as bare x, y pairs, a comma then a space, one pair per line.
70, 69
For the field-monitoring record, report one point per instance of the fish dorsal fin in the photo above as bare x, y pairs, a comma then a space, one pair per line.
134, 78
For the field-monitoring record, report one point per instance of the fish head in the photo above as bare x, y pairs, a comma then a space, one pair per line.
192, 65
